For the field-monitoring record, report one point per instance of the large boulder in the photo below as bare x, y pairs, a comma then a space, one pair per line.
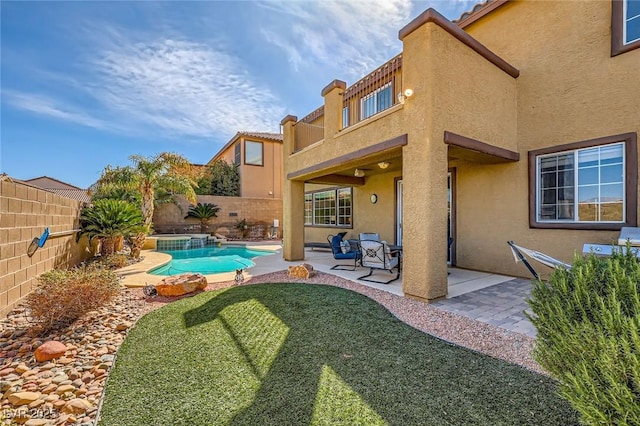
181, 284
50, 350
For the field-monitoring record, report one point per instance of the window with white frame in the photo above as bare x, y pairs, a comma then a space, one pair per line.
376, 101
344, 207
582, 185
631, 24
328, 207
345, 117
308, 209
253, 153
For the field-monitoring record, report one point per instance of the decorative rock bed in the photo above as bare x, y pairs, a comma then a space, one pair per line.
67, 388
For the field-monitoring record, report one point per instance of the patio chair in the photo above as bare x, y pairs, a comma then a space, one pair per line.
369, 236
376, 255
343, 250
536, 255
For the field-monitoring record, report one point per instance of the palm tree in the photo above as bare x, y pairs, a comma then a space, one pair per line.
204, 212
108, 220
151, 177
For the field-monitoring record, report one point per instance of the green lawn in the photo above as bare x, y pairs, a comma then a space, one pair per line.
296, 354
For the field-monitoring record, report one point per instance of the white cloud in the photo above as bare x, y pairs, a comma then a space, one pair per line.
45, 105
184, 87
162, 86
354, 37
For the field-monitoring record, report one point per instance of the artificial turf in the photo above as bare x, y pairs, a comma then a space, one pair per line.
297, 354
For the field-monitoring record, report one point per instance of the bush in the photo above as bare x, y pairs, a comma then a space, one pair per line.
588, 322
115, 261
62, 296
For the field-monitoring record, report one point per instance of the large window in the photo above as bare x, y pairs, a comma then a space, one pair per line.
376, 101
328, 208
586, 184
625, 26
253, 153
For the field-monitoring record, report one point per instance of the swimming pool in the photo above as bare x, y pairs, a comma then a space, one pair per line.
209, 260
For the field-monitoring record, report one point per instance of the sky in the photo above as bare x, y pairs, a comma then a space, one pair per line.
86, 84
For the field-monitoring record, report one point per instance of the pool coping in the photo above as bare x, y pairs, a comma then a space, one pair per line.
137, 275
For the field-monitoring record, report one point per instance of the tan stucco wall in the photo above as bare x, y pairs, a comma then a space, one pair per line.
258, 181
367, 217
569, 89
263, 181
170, 216
25, 212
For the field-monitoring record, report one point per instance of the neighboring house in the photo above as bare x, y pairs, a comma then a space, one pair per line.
519, 122
59, 187
259, 159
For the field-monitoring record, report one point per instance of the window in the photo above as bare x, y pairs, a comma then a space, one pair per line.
589, 185
377, 101
253, 153
344, 207
631, 21
625, 26
345, 117
308, 209
237, 157
328, 208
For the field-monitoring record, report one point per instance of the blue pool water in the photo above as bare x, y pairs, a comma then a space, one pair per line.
209, 260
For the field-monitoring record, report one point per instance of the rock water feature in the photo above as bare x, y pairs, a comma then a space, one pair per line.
65, 387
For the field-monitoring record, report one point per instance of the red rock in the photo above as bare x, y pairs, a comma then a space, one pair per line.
6, 371
181, 284
50, 350
77, 406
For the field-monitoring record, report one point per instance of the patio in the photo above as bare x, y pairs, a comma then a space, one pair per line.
490, 298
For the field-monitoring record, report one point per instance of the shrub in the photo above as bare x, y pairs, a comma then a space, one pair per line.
588, 322
62, 296
204, 213
115, 261
109, 220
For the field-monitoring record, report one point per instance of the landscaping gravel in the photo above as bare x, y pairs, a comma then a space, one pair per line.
68, 390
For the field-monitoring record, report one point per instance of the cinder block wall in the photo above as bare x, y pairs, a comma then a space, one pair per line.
25, 212
169, 218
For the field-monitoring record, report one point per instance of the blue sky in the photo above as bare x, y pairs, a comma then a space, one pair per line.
85, 83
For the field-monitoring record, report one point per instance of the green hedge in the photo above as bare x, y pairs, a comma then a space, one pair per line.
588, 322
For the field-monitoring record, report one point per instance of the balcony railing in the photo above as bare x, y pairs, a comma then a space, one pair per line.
373, 94
309, 129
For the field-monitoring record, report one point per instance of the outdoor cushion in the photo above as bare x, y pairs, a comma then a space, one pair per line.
336, 247
345, 247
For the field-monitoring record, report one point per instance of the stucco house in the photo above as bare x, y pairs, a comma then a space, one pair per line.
517, 122
259, 158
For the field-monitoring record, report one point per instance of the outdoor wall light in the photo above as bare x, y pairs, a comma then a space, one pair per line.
358, 173
402, 96
383, 164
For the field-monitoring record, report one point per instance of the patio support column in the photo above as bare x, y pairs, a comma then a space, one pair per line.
424, 173
292, 200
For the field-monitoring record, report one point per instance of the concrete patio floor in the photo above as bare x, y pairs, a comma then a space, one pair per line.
494, 299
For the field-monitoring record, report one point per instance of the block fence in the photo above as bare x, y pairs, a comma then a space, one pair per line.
25, 212
169, 218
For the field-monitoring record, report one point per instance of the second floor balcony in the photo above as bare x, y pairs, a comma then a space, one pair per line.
373, 94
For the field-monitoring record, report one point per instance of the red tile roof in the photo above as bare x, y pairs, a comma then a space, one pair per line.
478, 11
270, 136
